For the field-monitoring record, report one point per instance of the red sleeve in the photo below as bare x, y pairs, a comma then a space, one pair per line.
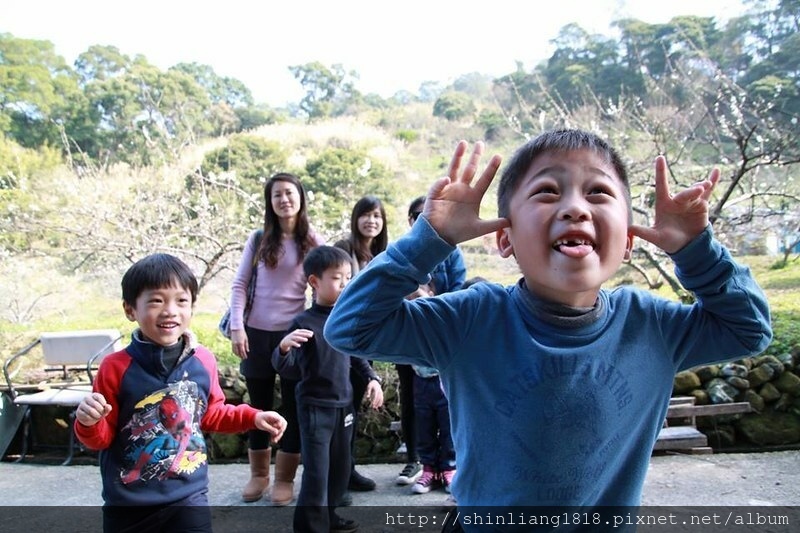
109, 376
220, 416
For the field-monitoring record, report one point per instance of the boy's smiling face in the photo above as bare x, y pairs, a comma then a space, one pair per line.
331, 284
569, 226
163, 314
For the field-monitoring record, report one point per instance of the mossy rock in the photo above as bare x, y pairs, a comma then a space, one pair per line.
788, 383
225, 445
685, 382
770, 428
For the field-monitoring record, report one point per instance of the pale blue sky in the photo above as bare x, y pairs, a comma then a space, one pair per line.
392, 45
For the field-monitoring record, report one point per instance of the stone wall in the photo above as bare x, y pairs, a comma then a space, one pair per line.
375, 442
770, 384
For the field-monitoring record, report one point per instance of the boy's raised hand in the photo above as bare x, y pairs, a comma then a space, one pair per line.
453, 204
294, 339
92, 408
679, 218
272, 423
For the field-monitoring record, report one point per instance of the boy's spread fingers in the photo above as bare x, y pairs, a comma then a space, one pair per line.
488, 174
455, 162
472, 166
713, 179
662, 186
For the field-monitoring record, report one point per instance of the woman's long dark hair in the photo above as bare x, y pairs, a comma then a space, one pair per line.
271, 248
364, 253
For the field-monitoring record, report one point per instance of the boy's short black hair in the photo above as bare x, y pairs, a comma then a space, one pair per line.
322, 258
157, 271
416, 205
565, 140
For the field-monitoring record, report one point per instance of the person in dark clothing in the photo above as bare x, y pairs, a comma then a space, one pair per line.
324, 396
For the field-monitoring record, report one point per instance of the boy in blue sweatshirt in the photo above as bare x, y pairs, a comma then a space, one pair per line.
324, 396
558, 388
151, 403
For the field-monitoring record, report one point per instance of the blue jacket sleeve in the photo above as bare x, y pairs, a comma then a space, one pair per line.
373, 320
731, 314
362, 367
450, 274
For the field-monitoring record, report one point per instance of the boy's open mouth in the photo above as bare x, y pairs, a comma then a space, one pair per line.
574, 247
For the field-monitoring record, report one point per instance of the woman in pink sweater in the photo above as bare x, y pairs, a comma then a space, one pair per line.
280, 293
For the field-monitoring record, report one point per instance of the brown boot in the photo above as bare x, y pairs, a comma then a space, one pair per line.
285, 469
259, 475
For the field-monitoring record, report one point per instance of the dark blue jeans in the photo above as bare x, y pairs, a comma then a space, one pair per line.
191, 514
432, 413
325, 434
408, 422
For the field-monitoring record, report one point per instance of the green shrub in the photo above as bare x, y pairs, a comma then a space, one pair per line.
253, 158
407, 136
204, 325
785, 332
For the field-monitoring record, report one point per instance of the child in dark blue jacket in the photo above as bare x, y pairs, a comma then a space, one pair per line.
324, 396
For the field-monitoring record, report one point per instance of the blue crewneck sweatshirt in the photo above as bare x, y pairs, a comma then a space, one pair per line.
544, 413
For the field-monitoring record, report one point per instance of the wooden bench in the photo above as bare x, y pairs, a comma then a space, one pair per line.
687, 437
63, 352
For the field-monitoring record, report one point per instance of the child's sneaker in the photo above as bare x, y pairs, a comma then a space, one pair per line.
427, 481
410, 474
447, 479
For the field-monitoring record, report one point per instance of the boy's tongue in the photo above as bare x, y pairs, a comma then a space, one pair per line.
576, 251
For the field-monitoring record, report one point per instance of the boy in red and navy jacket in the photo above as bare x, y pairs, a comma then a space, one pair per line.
151, 403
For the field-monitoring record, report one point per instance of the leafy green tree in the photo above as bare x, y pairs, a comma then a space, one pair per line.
407, 136
493, 124
219, 89
475, 84
337, 178
35, 87
141, 114
175, 107
99, 63
454, 106
328, 89
580, 61
257, 115
429, 91
232, 107
247, 160
773, 46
